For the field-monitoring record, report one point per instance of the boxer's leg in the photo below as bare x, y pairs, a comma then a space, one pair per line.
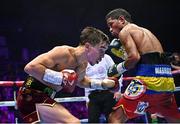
168, 108
118, 116
55, 114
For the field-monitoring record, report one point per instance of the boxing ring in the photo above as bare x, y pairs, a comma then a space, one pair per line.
59, 100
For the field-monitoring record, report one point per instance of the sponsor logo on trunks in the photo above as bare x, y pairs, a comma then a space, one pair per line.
140, 109
29, 82
135, 89
162, 70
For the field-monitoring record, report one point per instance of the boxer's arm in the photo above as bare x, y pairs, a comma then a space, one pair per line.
133, 55
107, 83
85, 82
37, 67
65, 77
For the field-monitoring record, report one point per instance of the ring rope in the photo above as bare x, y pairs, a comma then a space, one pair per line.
69, 99
19, 83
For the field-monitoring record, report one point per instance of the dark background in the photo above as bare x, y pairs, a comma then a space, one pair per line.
30, 27
39, 25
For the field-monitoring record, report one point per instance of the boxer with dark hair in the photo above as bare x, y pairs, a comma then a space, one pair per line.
63, 67
153, 86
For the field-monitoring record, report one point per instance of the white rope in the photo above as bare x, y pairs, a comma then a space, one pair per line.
69, 99
84, 120
7, 103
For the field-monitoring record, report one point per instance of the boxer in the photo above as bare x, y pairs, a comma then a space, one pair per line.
153, 86
63, 67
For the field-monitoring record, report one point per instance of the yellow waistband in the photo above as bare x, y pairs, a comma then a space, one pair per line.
158, 83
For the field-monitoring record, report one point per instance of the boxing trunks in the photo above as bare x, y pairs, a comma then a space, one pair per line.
151, 90
29, 94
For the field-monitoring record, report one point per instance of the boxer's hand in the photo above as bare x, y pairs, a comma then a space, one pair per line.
117, 69
117, 96
69, 80
115, 46
115, 43
112, 71
111, 83
117, 49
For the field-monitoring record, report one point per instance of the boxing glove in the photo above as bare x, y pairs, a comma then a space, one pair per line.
115, 43
69, 80
117, 49
112, 71
116, 70
66, 78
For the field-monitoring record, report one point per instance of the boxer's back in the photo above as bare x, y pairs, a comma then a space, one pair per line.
145, 40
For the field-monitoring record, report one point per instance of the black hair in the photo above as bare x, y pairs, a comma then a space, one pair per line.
116, 13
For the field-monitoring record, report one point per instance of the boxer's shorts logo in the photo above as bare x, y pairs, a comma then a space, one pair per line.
141, 107
29, 81
135, 90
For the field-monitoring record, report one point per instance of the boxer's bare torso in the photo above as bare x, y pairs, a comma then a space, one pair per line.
138, 41
143, 39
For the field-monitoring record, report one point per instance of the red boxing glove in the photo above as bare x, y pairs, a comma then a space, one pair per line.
69, 80
116, 84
